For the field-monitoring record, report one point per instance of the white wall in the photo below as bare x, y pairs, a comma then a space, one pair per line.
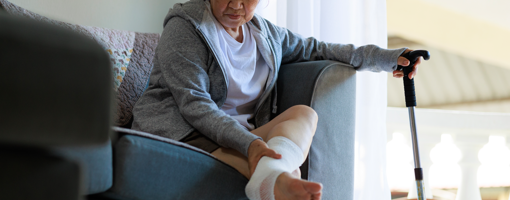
133, 15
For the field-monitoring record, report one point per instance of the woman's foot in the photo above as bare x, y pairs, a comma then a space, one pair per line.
289, 187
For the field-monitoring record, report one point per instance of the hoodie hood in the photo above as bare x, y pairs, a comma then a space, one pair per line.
192, 11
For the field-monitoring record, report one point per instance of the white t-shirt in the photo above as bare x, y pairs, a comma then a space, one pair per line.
247, 73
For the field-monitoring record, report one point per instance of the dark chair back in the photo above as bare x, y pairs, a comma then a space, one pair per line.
56, 91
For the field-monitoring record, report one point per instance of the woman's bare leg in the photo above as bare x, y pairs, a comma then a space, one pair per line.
297, 124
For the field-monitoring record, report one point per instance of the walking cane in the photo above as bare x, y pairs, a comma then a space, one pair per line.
410, 96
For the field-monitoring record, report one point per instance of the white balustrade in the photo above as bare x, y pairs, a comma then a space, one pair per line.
475, 135
445, 173
495, 159
470, 145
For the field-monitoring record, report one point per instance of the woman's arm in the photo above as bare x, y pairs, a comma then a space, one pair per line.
364, 58
184, 59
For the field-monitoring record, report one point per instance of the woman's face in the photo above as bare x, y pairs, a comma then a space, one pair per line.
233, 13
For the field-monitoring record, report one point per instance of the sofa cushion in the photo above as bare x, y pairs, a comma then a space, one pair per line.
130, 53
95, 164
151, 169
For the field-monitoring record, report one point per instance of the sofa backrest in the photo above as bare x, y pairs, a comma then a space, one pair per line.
131, 54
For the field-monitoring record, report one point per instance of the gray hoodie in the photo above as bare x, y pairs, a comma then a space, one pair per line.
188, 85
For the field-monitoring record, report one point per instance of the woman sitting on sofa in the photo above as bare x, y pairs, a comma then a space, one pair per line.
211, 86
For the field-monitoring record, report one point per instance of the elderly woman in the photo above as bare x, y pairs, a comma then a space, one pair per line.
214, 71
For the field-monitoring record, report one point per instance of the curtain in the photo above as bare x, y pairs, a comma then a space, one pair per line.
357, 22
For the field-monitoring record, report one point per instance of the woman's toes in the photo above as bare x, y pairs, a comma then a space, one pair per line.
312, 187
289, 187
317, 196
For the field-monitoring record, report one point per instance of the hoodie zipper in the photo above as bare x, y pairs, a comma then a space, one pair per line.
275, 77
219, 63
275, 91
264, 97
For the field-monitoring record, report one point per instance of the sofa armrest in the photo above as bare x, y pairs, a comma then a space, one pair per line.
329, 87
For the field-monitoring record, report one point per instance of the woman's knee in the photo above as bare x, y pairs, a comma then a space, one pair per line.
305, 112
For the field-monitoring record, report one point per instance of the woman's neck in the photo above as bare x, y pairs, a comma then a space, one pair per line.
236, 33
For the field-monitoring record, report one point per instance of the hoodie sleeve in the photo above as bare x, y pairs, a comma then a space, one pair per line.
184, 59
364, 58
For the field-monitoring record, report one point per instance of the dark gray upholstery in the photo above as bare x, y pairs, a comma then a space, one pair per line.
150, 169
56, 85
95, 162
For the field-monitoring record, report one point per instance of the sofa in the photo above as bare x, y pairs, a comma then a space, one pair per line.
78, 144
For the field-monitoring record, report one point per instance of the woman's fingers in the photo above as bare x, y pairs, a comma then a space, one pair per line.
263, 152
272, 153
398, 74
412, 74
403, 61
415, 68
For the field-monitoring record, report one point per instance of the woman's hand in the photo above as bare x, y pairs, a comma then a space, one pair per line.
404, 62
257, 149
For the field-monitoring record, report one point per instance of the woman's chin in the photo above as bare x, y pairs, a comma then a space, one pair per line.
232, 23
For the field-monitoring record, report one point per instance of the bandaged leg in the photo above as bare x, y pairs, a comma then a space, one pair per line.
262, 182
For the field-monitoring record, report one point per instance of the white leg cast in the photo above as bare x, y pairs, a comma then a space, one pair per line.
262, 182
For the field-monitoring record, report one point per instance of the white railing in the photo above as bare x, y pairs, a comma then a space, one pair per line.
459, 150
